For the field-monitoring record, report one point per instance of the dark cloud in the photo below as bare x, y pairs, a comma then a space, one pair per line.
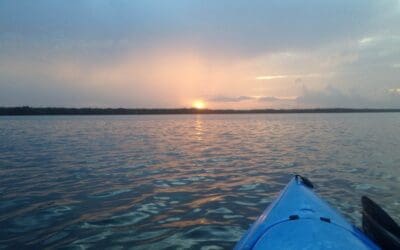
268, 99
328, 97
332, 97
244, 98
230, 27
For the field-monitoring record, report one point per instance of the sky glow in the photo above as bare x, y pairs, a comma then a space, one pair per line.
230, 54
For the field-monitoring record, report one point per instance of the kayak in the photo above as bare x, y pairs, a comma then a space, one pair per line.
299, 219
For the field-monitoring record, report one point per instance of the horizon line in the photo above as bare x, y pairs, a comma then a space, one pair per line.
27, 110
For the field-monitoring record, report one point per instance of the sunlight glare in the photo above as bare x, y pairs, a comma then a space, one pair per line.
198, 104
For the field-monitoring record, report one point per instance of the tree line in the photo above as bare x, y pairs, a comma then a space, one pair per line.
26, 110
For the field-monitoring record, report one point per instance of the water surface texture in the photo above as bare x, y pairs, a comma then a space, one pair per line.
184, 181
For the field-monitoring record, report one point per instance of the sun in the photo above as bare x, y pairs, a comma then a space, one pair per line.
198, 104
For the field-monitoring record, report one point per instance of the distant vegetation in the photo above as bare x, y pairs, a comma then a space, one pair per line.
123, 111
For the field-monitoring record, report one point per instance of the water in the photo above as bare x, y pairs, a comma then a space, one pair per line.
185, 181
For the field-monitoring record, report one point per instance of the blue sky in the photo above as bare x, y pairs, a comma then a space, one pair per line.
230, 54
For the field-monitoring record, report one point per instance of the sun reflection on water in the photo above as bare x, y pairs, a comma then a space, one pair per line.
198, 128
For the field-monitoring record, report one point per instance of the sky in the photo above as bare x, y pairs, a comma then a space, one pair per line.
227, 54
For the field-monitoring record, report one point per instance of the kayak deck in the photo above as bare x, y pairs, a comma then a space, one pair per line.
299, 219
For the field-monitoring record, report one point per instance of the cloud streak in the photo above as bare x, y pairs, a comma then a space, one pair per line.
228, 99
273, 77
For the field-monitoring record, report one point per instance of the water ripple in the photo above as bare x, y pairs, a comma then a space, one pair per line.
190, 181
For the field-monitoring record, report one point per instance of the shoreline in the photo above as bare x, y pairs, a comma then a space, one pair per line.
36, 111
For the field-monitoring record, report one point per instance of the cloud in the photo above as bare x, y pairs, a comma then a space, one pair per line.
230, 98
225, 99
396, 65
268, 99
395, 91
151, 53
273, 77
235, 28
332, 97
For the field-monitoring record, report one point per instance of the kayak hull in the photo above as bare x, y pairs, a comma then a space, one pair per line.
299, 219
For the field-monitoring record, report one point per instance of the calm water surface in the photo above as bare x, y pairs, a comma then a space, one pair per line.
181, 182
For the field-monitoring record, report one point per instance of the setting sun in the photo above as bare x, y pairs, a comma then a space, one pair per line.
198, 104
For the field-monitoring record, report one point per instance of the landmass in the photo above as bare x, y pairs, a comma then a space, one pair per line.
4, 111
